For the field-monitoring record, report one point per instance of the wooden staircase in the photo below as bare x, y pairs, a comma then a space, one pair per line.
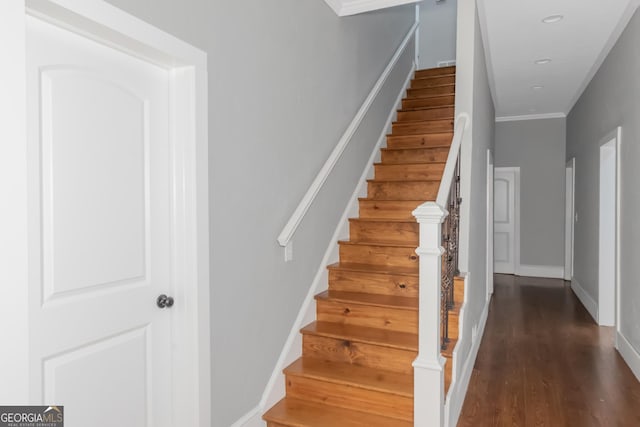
355, 368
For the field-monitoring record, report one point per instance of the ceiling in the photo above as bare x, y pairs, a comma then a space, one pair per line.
515, 37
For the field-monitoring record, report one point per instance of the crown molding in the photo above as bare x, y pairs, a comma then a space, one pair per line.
531, 117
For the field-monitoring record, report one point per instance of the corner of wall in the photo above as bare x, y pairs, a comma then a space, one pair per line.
587, 301
628, 353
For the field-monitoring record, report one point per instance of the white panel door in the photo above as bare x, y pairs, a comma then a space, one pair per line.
100, 231
504, 220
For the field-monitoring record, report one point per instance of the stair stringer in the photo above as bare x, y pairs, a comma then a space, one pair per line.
292, 349
462, 369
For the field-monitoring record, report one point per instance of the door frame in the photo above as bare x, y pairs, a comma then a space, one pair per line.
187, 68
608, 296
490, 201
516, 214
569, 222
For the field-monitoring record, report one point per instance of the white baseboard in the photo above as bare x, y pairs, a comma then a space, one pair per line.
275, 389
589, 303
628, 353
549, 271
460, 384
253, 418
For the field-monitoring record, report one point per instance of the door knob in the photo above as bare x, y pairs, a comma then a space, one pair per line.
164, 301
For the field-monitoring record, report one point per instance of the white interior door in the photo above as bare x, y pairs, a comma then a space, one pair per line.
100, 227
505, 220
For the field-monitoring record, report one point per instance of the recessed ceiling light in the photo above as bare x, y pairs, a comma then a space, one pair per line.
552, 19
537, 87
543, 61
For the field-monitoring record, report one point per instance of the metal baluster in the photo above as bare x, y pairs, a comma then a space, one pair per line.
450, 241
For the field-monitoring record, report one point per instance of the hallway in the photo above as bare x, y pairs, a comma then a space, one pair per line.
543, 361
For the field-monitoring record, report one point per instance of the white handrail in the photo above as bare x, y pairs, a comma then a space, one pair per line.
450, 167
296, 218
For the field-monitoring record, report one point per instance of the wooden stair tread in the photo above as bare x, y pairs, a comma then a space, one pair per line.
402, 201
406, 221
425, 121
370, 199
422, 92
443, 72
428, 107
446, 84
411, 164
435, 95
433, 133
368, 268
404, 181
391, 245
370, 299
438, 133
431, 147
433, 107
363, 334
435, 76
298, 413
452, 86
436, 71
353, 375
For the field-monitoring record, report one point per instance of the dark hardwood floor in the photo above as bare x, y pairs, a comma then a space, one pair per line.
543, 361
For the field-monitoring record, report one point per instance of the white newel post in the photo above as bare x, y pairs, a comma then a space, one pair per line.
428, 368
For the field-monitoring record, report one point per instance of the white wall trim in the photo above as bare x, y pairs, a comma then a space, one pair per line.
353, 7
587, 301
292, 349
569, 223
253, 418
628, 353
608, 257
187, 67
416, 44
490, 204
558, 115
296, 218
14, 266
618, 225
550, 271
460, 383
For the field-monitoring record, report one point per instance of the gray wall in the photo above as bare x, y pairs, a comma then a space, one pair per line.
285, 80
612, 99
538, 148
437, 32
